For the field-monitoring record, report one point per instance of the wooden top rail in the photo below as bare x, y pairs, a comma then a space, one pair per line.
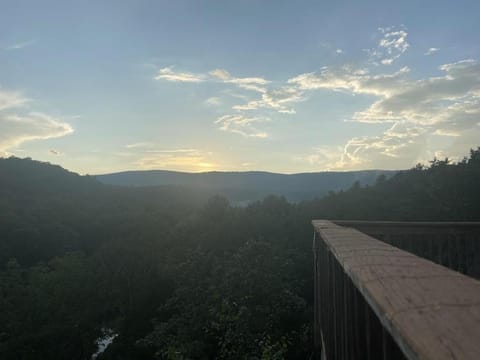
433, 313
409, 224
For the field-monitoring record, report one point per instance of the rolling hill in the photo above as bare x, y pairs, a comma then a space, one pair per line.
242, 187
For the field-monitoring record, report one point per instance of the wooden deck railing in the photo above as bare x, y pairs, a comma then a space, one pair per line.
455, 245
376, 301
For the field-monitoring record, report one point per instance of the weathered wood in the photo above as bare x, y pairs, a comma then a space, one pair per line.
430, 311
451, 244
409, 224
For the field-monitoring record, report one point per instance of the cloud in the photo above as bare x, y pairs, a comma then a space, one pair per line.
256, 84
276, 99
399, 147
11, 99
168, 74
388, 151
323, 156
428, 101
220, 74
18, 124
247, 83
250, 83
152, 148
447, 105
431, 51
243, 125
390, 47
17, 129
213, 101
140, 145
347, 78
18, 46
282, 97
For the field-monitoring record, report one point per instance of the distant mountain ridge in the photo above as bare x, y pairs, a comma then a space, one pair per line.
25, 176
250, 185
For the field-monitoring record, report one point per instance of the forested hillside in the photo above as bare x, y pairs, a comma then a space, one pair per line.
440, 190
175, 273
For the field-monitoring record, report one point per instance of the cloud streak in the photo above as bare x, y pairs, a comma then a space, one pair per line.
168, 74
431, 51
242, 125
11, 99
18, 129
18, 124
239, 123
213, 101
19, 45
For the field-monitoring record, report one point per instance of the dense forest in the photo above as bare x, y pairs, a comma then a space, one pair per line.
172, 273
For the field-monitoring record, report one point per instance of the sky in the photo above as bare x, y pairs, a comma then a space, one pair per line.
281, 86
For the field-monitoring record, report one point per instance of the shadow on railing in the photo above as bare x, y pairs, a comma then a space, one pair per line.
375, 301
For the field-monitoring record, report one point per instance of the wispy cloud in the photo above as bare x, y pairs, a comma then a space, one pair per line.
428, 101
11, 99
250, 83
152, 148
242, 125
388, 151
169, 74
392, 44
279, 100
221, 74
275, 99
445, 105
395, 44
213, 101
349, 79
19, 124
18, 129
19, 45
399, 147
247, 83
325, 157
431, 51
140, 145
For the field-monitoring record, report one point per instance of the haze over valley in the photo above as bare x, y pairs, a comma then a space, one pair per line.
164, 165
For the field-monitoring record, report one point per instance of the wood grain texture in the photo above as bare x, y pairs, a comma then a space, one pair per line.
431, 312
